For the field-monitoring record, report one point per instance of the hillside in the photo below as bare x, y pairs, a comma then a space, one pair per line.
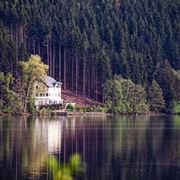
87, 42
69, 96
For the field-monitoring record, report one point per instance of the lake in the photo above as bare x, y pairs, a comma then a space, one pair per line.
112, 148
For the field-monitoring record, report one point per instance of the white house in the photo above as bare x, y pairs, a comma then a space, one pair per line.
47, 92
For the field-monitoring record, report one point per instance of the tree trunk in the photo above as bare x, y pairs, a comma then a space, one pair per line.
60, 63
39, 48
77, 73
11, 32
47, 54
72, 74
50, 58
84, 76
96, 86
64, 68
34, 45
27, 96
54, 61
16, 42
21, 35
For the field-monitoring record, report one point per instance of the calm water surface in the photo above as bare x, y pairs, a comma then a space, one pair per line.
118, 148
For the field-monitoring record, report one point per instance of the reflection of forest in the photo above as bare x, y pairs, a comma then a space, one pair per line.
145, 148
124, 147
25, 145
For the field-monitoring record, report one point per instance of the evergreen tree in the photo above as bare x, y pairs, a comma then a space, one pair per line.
128, 38
155, 97
123, 96
167, 81
9, 101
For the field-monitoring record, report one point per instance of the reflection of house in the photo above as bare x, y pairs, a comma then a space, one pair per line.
47, 92
48, 134
54, 132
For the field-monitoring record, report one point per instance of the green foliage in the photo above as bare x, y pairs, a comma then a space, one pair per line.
113, 95
136, 45
70, 107
7, 109
75, 162
123, 96
30, 105
177, 120
44, 110
177, 107
78, 108
32, 70
169, 82
84, 108
64, 171
88, 109
9, 101
128, 38
101, 109
7, 52
20, 98
98, 108
155, 97
51, 107
1, 105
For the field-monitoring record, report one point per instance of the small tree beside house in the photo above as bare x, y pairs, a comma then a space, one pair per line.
31, 71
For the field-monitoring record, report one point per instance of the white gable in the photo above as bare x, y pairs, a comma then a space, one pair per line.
52, 95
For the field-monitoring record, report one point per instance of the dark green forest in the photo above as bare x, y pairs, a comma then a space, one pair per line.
86, 42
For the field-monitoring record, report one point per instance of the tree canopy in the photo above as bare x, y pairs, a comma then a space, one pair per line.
86, 42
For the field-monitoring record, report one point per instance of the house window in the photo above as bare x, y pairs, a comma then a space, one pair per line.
46, 94
40, 94
36, 87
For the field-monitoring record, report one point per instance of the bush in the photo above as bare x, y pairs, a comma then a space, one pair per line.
70, 107
1, 105
101, 108
30, 106
45, 110
78, 108
89, 109
177, 107
51, 107
7, 110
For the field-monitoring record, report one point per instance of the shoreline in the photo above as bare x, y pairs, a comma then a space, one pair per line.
65, 113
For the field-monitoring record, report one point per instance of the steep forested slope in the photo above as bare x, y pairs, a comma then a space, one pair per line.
86, 42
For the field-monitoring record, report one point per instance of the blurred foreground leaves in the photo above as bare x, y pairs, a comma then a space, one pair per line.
65, 171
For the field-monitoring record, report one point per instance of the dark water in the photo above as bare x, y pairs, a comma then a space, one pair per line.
125, 147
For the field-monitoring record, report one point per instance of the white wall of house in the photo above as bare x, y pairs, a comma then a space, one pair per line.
51, 96
55, 95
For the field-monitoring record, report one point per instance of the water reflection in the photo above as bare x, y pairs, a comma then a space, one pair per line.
116, 148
